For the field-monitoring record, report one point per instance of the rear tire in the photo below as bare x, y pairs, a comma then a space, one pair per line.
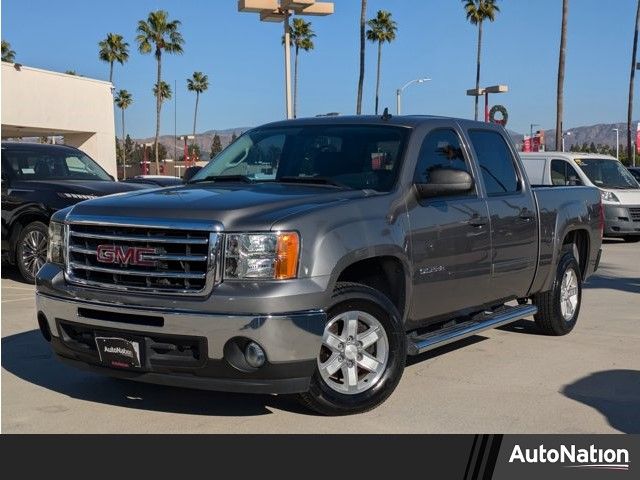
366, 371
558, 308
31, 250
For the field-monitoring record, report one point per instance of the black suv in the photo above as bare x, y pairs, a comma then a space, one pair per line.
38, 180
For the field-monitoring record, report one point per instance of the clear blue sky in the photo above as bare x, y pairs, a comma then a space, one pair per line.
243, 58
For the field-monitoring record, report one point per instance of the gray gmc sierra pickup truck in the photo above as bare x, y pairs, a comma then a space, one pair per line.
312, 256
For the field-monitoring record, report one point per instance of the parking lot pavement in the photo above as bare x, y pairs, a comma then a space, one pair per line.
508, 380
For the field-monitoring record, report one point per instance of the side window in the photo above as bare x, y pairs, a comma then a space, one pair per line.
440, 149
572, 176
558, 172
496, 162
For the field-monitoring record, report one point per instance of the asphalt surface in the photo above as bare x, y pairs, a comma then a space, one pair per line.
510, 380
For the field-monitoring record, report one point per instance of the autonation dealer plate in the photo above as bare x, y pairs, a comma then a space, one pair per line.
118, 352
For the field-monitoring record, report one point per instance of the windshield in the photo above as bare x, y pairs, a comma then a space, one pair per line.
606, 173
51, 164
353, 156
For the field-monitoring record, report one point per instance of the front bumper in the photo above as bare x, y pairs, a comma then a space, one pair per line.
621, 221
291, 342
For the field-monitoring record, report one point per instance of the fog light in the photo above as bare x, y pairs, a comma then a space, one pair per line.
254, 354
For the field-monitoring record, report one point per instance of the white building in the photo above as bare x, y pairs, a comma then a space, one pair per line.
39, 103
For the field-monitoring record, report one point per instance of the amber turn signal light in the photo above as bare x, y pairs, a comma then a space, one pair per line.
287, 252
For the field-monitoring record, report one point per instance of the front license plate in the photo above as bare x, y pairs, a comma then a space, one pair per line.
118, 352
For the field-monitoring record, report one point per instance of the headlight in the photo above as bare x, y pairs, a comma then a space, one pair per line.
608, 196
76, 196
271, 256
55, 250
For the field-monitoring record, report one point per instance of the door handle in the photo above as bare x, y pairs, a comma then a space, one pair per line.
477, 221
526, 215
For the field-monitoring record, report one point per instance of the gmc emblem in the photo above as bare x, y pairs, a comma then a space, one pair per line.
125, 255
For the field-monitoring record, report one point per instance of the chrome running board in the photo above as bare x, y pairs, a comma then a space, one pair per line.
481, 322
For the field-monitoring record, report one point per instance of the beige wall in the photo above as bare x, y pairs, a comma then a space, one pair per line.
38, 102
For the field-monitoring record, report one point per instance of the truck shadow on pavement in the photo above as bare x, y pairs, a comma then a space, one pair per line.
614, 393
623, 284
27, 356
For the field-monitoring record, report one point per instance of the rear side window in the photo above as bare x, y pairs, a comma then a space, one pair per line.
496, 162
441, 149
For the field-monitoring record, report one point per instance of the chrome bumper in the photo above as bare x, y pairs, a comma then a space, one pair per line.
285, 337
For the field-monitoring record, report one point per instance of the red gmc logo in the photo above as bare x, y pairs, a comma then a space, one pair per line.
125, 255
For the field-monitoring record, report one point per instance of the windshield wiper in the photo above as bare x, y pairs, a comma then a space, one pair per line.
313, 181
223, 178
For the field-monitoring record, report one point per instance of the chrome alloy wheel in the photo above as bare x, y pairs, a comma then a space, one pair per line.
569, 294
354, 353
34, 251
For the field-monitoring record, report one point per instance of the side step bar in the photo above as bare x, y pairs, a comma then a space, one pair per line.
481, 322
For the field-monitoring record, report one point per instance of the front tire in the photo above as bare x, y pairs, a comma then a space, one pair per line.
362, 356
558, 308
31, 250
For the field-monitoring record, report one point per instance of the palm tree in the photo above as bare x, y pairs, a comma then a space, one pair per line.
560, 94
159, 34
363, 18
301, 39
477, 12
8, 55
381, 29
632, 78
113, 49
198, 83
123, 100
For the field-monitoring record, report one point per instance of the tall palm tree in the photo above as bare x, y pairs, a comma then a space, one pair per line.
113, 49
301, 39
560, 94
8, 55
477, 12
162, 93
634, 59
159, 34
381, 29
198, 83
363, 18
123, 101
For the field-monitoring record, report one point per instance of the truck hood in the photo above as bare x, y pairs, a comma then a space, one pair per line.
230, 207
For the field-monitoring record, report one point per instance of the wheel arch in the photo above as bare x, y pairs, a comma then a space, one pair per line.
384, 270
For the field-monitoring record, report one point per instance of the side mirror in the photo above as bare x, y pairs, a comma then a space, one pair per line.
445, 181
190, 172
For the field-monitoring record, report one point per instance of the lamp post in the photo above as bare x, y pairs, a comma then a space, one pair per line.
565, 134
401, 89
477, 92
280, 11
617, 130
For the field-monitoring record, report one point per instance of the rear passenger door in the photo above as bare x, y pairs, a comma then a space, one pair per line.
449, 235
512, 214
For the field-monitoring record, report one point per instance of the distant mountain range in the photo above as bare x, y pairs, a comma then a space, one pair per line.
601, 133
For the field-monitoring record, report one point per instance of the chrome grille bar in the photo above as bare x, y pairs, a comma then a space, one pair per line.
146, 259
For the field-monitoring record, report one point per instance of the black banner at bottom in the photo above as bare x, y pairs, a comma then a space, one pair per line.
465, 457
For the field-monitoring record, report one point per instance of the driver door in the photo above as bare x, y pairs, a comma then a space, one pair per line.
450, 236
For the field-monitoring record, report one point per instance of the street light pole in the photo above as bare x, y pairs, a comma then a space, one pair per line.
401, 89
281, 11
617, 143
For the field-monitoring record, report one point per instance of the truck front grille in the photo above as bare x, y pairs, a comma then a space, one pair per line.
144, 259
635, 214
